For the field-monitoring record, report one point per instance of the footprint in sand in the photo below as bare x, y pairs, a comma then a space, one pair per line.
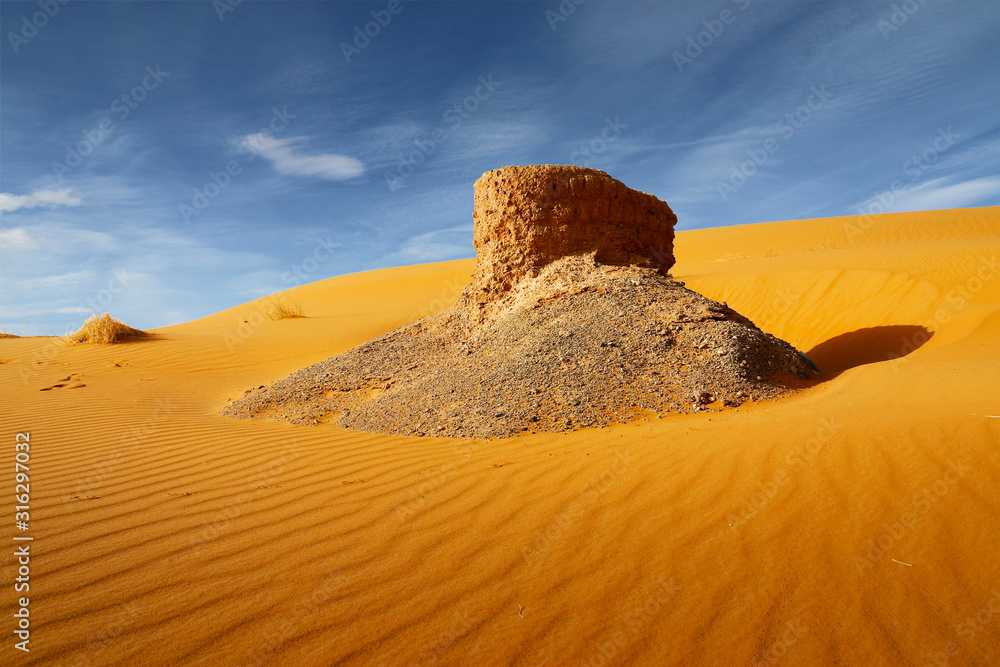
71, 382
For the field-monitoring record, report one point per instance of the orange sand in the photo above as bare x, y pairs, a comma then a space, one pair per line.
864, 510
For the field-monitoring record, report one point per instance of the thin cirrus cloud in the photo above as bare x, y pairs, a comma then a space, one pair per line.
288, 160
46, 198
939, 194
16, 238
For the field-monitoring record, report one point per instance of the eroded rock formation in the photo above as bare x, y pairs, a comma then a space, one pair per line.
570, 320
528, 217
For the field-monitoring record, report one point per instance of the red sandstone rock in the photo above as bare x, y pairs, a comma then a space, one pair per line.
527, 217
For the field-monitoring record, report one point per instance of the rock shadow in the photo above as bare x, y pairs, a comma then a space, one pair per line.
871, 345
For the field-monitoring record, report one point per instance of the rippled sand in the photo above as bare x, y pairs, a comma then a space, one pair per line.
853, 523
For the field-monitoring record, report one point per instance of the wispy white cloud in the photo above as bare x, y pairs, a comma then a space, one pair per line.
309, 77
59, 239
964, 157
16, 238
256, 284
603, 36
288, 160
56, 282
936, 194
69, 310
438, 245
135, 269
46, 198
701, 164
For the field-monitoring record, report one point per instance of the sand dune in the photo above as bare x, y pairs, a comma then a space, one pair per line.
852, 523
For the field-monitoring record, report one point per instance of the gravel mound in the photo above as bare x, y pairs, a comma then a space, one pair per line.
579, 344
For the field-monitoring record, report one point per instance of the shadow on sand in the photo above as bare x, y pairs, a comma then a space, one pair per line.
866, 346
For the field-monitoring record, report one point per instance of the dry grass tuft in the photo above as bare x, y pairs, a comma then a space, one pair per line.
280, 310
104, 330
4, 334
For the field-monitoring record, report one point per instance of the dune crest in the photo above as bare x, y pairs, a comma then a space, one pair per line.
570, 320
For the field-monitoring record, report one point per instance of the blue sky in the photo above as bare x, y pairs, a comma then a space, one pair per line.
167, 160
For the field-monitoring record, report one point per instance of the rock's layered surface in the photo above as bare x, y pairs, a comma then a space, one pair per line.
569, 321
527, 217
